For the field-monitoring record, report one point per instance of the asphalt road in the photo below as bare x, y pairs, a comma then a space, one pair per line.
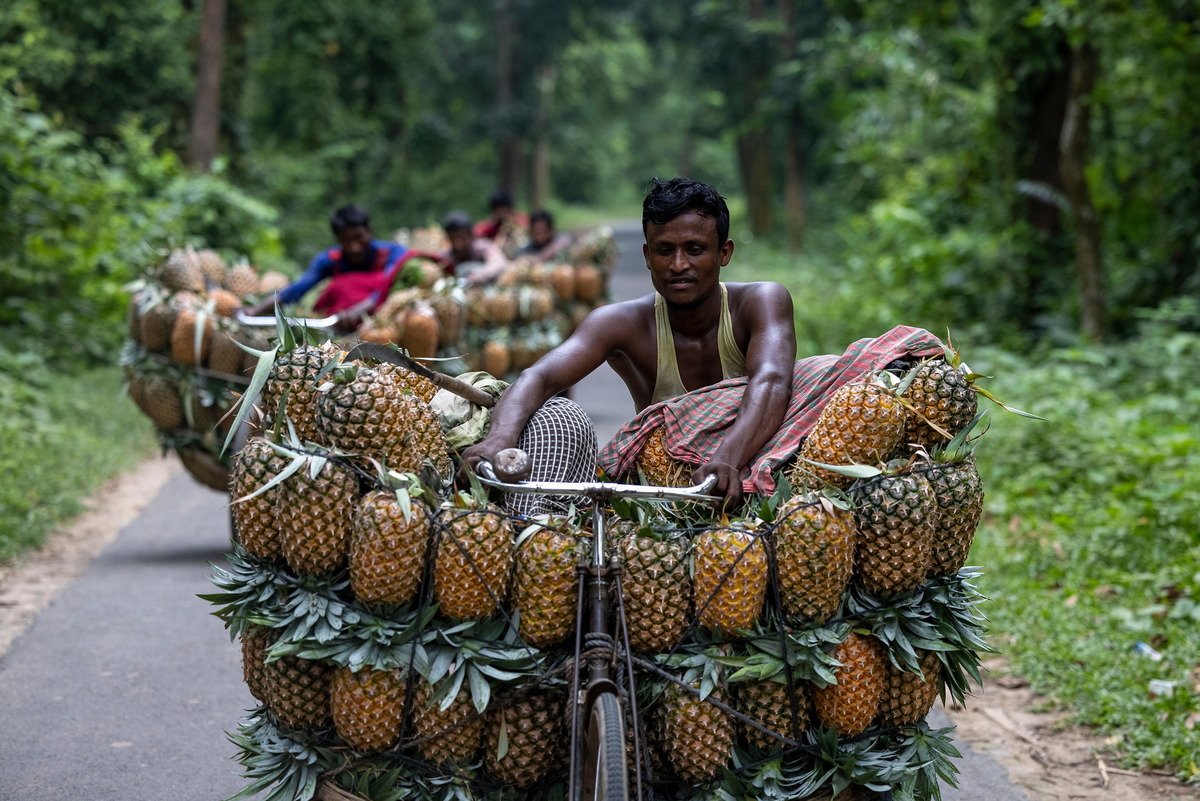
124, 685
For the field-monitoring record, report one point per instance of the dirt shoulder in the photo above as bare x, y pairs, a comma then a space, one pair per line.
1005, 720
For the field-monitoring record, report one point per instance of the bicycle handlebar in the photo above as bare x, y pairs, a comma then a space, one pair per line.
599, 490
269, 321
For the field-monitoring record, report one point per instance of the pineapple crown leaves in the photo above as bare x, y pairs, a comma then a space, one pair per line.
922, 759
252, 592
386, 641
400, 783
941, 616
548, 522
962, 445
297, 461
481, 654
701, 665
289, 765
770, 654
258, 380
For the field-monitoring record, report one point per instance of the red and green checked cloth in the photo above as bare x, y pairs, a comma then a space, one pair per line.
694, 424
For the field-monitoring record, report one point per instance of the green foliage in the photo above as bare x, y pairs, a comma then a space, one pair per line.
60, 438
1089, 537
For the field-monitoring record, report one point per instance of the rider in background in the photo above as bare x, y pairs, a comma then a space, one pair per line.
692, 331
360, 269
545, 244
477, 260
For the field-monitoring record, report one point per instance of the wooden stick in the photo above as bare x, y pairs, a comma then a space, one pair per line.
1021, 733
382, 353
1103, 772
328, 791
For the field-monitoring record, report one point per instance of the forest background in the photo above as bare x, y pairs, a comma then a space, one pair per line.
1023, 175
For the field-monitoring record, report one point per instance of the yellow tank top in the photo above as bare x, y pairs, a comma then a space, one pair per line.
667, 383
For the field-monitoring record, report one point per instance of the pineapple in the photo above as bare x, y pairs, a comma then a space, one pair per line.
897, 515
181, 272
769, 703
958, 492
814, 551
908, 697
696, 736
415, 384
294, 372
730, 576
532, 728
496, 358
657, 589
546, 581
225, 303
255, 642
255, 522
659, 469
942, 400
475, 555
241, 279
451, 312
860, 424
188, 345
422, 331
562, 278
212, 266
159, 399
155, 325
270, 282
298, 691
367, 707
850, 705
589, 284
388, 541
315, 515
447, 735
224, 355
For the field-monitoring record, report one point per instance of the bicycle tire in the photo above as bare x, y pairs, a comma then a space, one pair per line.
605, 777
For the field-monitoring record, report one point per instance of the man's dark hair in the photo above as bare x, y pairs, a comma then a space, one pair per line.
456, 221
666, 200
500, 199
543, 216
349, 217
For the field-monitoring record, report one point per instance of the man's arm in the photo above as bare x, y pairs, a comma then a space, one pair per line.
769, 360
596, 338
320, 268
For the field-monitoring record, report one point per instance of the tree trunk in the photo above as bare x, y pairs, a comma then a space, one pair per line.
510, 147
540, 190
206, 106
754, 152
1073, 163
794, 156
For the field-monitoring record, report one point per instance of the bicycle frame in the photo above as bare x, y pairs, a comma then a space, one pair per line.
594, 593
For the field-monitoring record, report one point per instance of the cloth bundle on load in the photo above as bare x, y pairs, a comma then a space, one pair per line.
694, 424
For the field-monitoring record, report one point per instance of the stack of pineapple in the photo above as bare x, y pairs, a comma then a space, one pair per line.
182, 358
407, 637
504, 326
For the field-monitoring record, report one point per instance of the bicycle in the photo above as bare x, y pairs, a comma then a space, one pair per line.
598, 770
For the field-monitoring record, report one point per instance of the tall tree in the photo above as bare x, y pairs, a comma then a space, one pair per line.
204, 141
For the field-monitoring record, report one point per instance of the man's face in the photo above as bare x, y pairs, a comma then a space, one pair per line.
540, 233
684, 259
461, 241
355, 243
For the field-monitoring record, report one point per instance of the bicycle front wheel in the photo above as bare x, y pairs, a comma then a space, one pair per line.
604, 774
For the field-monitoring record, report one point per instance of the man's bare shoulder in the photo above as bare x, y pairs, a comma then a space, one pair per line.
759, 294
624, 312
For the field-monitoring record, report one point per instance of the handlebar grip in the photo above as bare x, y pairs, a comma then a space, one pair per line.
512, 465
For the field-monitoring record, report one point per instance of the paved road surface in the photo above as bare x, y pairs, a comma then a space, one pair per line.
124, 686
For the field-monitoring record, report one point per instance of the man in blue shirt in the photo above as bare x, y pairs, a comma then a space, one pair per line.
360, 270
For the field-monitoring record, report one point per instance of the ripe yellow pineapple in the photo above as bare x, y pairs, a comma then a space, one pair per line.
211, 265
730, 576
241, 279
255, 642
657, 588
157, 395
191, 336
367, 707
388, 540
814, 550
659, 469
474, 559
958, 493
155, 326
908, 697
897, 514
224, 355
255, 523
850, 705
546, 581
315, 514
270, 282
415, 384
181, 272
531, 726
860, 424
298, 691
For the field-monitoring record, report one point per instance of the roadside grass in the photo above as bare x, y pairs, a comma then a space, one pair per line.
61, 437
